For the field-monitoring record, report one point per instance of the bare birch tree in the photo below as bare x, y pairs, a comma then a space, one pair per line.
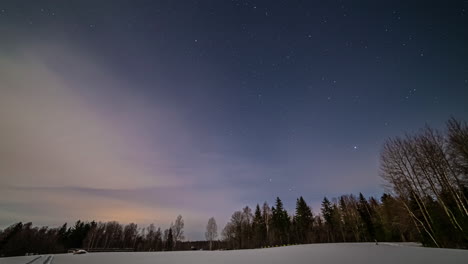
178, 230
211, 231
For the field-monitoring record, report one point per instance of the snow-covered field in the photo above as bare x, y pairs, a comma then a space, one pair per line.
315, 253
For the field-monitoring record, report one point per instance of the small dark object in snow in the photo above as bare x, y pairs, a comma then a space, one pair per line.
79, 252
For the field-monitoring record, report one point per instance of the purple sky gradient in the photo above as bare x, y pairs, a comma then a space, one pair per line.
144, 110
71, 149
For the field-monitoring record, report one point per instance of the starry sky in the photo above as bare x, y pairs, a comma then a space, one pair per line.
138, 111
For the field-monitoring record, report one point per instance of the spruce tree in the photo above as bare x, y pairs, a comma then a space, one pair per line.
259, 228
328, 216
280, 222
303, 220
366, 215
170, 240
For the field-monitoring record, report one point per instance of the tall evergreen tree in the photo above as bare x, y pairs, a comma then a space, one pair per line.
303, 221
170, 240
280, 223
366, 213
259, 228
327, 213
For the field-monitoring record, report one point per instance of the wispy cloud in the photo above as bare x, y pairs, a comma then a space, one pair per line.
77, 141
80, 144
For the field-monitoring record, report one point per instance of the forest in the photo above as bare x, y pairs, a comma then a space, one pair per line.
425, 200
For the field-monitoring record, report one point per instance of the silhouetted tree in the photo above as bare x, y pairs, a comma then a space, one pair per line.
303, 221
280, 223
178, 230
211, 231
366, 215
428, 172
259, 228
170, 240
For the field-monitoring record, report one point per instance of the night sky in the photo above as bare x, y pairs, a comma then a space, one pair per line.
138, 111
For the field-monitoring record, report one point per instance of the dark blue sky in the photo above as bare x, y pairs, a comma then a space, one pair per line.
234, 101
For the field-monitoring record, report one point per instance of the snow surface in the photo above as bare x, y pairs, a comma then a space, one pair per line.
366, 253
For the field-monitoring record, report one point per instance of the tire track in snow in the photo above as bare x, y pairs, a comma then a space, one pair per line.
48, 260
33, 260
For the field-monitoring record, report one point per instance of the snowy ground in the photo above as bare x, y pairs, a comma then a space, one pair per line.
316, 253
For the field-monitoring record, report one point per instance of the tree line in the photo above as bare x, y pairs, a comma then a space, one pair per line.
425, 200
348, 218
19, 239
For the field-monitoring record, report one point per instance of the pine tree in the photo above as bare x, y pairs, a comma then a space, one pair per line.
280, 223
328, 216
170, 240
303, 221
63, 235
259, 228
366, 214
